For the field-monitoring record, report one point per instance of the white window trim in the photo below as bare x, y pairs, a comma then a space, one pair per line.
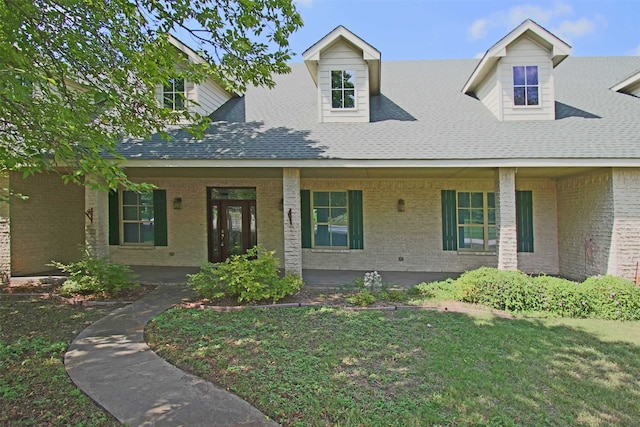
315, 248
513, 87
174, 94
355, 93
122, 223
485, 208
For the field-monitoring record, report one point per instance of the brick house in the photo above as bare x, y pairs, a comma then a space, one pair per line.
525, 159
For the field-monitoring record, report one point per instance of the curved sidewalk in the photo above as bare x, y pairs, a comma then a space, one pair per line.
111, 362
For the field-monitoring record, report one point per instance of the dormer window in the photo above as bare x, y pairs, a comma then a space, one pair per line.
343, 93
173, 94
525, 85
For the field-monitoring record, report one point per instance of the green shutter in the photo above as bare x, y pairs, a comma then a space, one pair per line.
356, 228
449, 242
305, 217
159, 217
114, 218
524, 220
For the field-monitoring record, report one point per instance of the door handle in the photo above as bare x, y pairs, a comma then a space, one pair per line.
221, 237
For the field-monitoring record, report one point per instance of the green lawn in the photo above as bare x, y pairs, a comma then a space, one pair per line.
35, 389
328, 366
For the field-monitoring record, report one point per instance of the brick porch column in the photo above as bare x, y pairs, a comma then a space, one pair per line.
507, 237
96, 233
291, 219
5, 230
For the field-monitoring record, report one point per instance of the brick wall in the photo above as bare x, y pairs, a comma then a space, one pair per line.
415, 235
625, 245
48, 226
187, 227
544, 259
585, 224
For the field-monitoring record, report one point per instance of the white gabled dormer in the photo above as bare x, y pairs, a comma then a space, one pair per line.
630, 85
514, 78
203, 98
346, 71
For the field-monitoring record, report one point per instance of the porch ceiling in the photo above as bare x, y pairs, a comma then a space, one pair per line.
354, 173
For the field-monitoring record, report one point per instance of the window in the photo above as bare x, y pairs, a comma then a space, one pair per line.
343, 94
331, 219
138, 217
525, 85
476, 221
173, 94
469, 221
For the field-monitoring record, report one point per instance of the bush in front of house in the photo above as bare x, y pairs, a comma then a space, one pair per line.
250, 277
612, 298
94, 275
603, 297
501, 289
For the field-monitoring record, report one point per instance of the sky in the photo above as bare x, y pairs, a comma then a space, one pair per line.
440, 29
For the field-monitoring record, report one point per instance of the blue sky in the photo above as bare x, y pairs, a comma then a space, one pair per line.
436, 29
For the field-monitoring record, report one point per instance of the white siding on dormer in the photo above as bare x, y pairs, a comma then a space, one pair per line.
209, 95
489, 94
341, 56
526, 52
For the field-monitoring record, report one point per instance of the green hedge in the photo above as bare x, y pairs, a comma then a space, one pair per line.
604, 297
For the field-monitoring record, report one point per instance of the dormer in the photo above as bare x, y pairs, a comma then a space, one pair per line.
629, 86
179, 94
514, 78
346, 71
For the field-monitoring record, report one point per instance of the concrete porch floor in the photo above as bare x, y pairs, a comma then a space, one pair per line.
327, 279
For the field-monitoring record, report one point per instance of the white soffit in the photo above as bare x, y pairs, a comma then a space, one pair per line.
559, 51
370, 54
627, 84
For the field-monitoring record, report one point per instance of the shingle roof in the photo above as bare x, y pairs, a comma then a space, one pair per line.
421, 114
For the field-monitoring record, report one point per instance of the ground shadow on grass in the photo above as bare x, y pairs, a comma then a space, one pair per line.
316, 366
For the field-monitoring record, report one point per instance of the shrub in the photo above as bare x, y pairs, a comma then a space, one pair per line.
94, 275
603, 297
441, 290
362, 298
250, 277
561, 296
609, 297
501, 289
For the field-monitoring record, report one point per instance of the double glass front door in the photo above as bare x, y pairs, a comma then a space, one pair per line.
232, 222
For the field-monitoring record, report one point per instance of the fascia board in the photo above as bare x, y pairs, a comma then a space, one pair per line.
626, 83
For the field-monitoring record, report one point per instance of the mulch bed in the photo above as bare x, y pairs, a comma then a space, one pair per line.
47, 288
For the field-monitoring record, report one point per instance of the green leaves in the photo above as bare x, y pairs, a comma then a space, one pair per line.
76, 76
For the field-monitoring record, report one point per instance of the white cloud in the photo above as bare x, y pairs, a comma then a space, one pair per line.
478, 30
556, 16
479, 55
636, 51
570, 29
539, 14
307, 3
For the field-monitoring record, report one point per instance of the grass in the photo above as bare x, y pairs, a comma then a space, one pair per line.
34, 387
328, 366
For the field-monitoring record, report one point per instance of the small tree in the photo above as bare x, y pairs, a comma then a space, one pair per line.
76, 76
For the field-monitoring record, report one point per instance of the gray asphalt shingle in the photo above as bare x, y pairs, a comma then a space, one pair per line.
422, 114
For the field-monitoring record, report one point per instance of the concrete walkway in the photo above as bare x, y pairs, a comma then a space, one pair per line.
112, 364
